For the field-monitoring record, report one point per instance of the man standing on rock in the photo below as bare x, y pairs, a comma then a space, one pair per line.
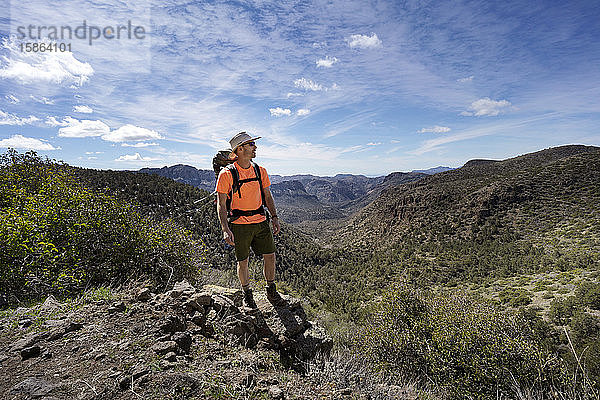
243, 192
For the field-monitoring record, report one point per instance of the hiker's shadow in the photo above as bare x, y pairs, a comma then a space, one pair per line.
288, 320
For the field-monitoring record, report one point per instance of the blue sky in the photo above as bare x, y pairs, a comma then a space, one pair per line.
332, 86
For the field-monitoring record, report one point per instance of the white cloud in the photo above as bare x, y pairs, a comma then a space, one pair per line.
303, 111
139, 144
52, 121
467, 79
364, 41
373, 143
131, 133
83, 109
290, 94
12, 99
326, 62
135, 157
279, 112
435, 129
81, 129
26, 143
488, 130
348, 123
41, 99
487, 107
11, 119
307, 84
51, 66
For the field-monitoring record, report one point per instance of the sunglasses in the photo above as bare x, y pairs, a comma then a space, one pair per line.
249, 144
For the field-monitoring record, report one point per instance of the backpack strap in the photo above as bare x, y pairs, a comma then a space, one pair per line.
262, 192
236, 185
259, 176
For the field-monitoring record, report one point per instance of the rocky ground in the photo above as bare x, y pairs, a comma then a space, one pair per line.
182, 344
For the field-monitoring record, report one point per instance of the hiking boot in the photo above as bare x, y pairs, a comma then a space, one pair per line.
274, 297
249, 299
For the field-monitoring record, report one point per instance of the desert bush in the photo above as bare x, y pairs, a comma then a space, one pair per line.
58, 237
588, 294
515, 297
585, 327
470, 348
562, 309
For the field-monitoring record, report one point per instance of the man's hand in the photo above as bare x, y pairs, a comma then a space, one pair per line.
276, 227
228, 237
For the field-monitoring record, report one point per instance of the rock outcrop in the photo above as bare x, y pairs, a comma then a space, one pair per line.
217, 312
188, 339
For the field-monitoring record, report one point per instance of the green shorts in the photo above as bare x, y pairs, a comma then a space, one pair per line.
258, 236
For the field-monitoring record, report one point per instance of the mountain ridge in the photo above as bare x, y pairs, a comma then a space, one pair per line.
470, 194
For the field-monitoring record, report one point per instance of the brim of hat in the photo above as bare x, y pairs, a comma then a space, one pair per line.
232, 155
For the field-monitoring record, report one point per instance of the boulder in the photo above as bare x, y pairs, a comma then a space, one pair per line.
199, 319
30, 352
203, 298
180, 289
234, 295
50, 304
28, 341
162, 348
241, 328
117, 307
275, 392
172, 324
288, 321
224, 306
25, 323
143, 294
183, 340
191, 306
33, 388
73, 326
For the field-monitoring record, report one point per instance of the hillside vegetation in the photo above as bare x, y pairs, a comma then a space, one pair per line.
59, 237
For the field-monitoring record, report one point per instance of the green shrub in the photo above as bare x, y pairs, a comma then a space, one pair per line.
585, 332
515, 297
470, 348
562, 309
588, 294
585, 327
58, 237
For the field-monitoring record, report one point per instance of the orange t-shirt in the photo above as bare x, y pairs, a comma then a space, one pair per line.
250, 191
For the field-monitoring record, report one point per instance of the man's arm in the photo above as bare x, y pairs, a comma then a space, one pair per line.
222, 213
271, 206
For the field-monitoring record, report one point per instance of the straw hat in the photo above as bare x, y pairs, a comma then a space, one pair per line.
239, 140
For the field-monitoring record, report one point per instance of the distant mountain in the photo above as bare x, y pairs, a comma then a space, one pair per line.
295, 205
432, 171
203, 179
393, 179
340, 188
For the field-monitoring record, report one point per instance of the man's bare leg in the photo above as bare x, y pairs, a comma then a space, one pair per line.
243, 275
268, 266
